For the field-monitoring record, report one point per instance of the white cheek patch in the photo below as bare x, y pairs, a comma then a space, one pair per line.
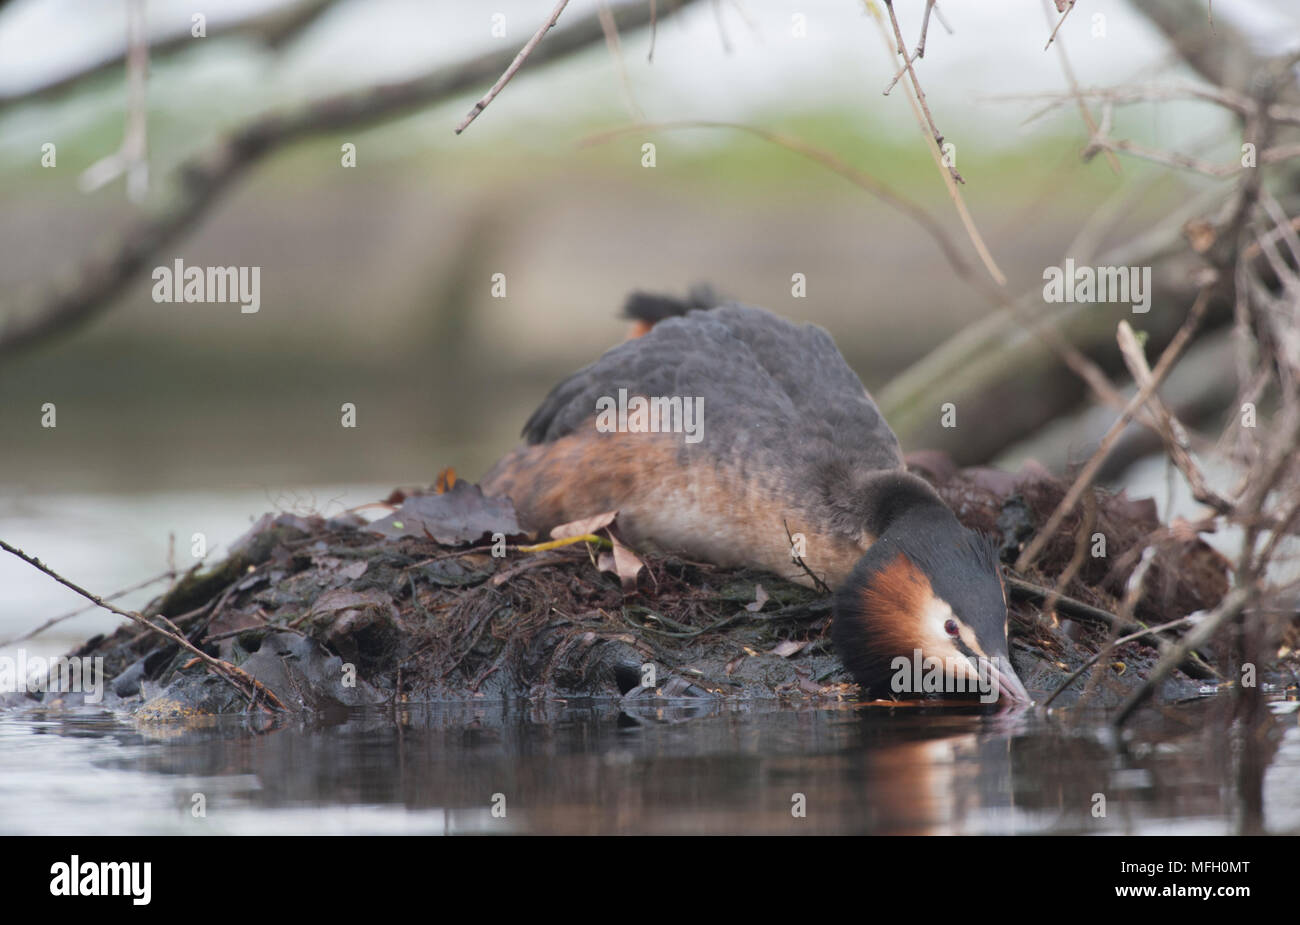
937, 613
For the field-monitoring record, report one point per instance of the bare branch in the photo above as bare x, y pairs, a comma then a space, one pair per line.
616, 52
1169, 159
1073, 83
947, 170
1234, 102
272, 29
1284, 228
1170, 429
239, 679
54, 621
1235, 601
1051, 38
1279, 154
209, 173
513, 67
916, 87
1084, 480
920, 47
1221, 54
1026, 590
1081, 536
722, 27
131, 158
818, 582
925, 28
1111, 647
654, 32
1266, 474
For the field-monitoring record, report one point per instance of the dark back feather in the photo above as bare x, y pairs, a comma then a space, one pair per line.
780, 402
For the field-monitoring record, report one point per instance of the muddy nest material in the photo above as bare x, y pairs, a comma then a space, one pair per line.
336, 613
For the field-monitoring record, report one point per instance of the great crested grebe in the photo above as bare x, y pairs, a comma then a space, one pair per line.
721, 433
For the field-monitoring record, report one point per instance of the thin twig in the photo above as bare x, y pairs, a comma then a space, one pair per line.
1100, 142
920, 47
947, 172
925, 28
1027, 590
1073, 84
616, 52
1051, 38
1171, 353
131, 158
1284, 228
1250, 567
1283, 528
654, 32
170, 573
1279, 154
1081, 545
1267, 240
1111, 647
916, 87
722, 28
817, 581
1240, 105
1235, 601
1169, 428
233, 674
515, 65
1133, 591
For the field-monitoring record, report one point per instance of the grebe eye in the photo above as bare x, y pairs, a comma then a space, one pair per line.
950, 627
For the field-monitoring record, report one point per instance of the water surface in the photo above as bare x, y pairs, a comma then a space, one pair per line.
591, 768
577, 767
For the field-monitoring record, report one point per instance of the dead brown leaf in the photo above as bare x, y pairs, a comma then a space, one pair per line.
627, 564
620, 560
461, 515
585, 525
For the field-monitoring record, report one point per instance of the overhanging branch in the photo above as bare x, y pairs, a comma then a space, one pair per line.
210, 172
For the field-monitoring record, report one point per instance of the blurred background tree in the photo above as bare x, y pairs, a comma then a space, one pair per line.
377, 278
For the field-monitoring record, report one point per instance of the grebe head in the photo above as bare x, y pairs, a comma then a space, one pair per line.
925, 612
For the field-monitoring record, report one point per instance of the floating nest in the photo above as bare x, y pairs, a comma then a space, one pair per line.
420, 607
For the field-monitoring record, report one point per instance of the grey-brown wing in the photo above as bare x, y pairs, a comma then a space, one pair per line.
771, 389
